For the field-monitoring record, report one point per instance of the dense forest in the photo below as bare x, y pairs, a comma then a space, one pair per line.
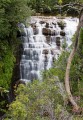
40, 100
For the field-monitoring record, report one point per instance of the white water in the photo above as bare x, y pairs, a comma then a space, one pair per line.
38, 54
70, 28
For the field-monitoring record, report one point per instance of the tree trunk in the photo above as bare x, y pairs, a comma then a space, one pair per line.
67, 85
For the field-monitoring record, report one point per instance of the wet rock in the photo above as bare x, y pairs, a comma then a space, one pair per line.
45, 60
62, 33
45, 51
42, 22
33, 25
58, 41
47, 25
61, 24
46, 31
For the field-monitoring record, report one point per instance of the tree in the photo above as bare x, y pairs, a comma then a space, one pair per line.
67, 86
11, 13
37, 101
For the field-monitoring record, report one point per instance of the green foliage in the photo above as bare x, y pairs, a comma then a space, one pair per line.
59, 67
7, 61
72, 1
37, 100
45, 5
76, 73
20, 112
12, 12
60, 2
6, 65
78, 118
53, 6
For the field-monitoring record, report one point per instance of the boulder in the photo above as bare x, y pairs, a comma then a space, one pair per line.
62, 33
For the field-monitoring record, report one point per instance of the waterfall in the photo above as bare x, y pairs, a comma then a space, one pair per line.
42, 42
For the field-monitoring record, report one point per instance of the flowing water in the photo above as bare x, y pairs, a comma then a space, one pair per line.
40, 50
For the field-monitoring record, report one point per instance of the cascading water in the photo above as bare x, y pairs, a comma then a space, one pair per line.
42, 44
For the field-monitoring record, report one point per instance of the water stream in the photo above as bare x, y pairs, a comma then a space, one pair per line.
42, 43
